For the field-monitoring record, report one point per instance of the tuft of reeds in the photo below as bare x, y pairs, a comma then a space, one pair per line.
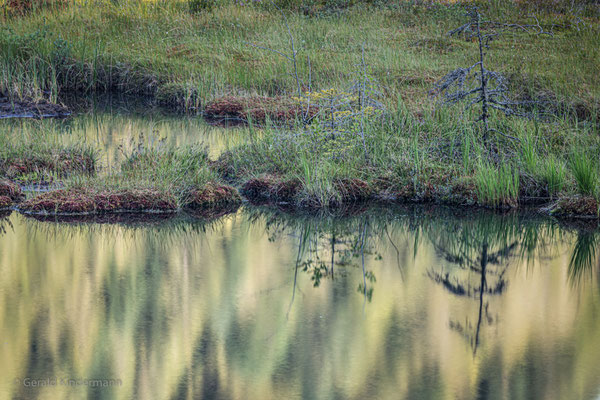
497, 186
553, 174
585, 170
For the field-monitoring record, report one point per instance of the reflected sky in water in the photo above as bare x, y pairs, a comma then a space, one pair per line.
393, 304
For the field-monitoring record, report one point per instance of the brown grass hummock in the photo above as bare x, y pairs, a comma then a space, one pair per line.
353, 190
259, 189
30, 109
62, 164
5, 202
82, 201
213, 202
11, 190
577, 206
10, 193
271, 189
258, 109
213, 195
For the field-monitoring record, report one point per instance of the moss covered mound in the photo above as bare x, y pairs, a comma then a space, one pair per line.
271, 189
577, 206
45, 166
11, 190
213, 195
5, 202
353, 190
255, 108
30, 109
81, 201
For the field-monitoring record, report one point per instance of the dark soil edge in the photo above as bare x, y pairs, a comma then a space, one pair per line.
31, 109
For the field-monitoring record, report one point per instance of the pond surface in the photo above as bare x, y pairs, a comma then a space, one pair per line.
405, 303
113, 124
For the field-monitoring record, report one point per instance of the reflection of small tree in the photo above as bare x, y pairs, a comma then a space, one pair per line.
343, 247
484, 249
484, 264
328, 247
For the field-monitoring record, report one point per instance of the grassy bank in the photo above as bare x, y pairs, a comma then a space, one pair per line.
371, 130
428, 160
155, 179
311, 167
185, 53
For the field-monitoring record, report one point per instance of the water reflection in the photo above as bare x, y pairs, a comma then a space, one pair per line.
109, 124
259, 304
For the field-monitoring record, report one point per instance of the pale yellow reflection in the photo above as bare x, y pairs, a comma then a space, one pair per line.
113, 133
184, 310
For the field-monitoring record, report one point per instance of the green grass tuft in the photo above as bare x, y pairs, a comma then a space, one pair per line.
497, 186
553, 173
585, 171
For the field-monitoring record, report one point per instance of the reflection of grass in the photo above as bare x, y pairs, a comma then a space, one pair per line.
586, 255
153, 287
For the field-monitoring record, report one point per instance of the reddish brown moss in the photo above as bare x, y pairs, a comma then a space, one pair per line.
463, 192
353, 190
63, 164
259, 189
406, 192
213, 195
60, 202
23, 7
286, 191
256, 108
271, 188
11, 190
578, 206
5, 202
79, 201
134, 200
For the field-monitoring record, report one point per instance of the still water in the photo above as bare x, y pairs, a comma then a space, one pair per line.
111, 125
406, 303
